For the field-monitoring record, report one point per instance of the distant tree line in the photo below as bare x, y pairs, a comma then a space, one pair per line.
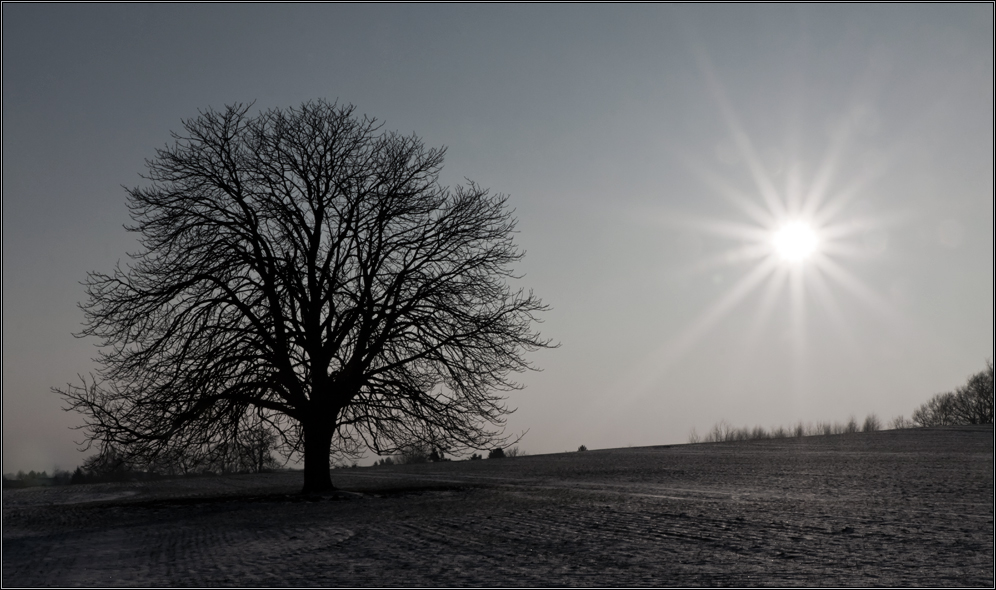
255, 456
427, 454
414, 454
971, 403
33, 478
725, 432
250, 451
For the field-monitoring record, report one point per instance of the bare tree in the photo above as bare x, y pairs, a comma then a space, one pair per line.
937, 411
900, 422
971, 403
248, 451
303, 270
872, 423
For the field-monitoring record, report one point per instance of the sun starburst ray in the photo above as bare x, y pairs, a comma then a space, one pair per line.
752, 336
740, 137
824, 295
639, 380
857, 288
736, 255
733, 195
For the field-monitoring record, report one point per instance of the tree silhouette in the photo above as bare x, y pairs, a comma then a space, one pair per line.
303, 270
971, 403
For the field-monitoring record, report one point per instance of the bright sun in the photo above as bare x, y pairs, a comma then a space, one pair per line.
795, 241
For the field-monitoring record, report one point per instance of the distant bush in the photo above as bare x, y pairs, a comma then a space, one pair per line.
900, 422
109, 466
582, 449
475, 457
410, 458
722, 431
418, 453
515, 452
496, 453
871, 424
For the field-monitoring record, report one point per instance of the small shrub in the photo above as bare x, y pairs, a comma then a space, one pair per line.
476, 457
413, 455
759, 433
900, 422
496, 453
582, 449
872, 423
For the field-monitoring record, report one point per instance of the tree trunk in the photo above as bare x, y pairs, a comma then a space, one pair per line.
317, 446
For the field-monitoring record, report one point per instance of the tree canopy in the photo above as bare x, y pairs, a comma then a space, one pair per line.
303, 270
971, 403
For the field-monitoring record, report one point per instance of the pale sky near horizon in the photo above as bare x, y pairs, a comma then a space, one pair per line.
649, 152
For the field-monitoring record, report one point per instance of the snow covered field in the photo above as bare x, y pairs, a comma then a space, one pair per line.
908, 507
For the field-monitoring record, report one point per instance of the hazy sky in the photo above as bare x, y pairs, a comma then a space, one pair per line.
649, 151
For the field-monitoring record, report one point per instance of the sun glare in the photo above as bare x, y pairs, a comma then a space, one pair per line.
795, 241
797, 237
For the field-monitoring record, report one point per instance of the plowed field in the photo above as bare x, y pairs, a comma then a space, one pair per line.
890, 508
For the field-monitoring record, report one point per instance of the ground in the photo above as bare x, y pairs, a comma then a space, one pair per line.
889, 508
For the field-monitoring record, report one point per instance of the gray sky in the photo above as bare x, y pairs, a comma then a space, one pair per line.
649, 151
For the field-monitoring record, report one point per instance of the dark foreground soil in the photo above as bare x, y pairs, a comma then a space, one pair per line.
892, 508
